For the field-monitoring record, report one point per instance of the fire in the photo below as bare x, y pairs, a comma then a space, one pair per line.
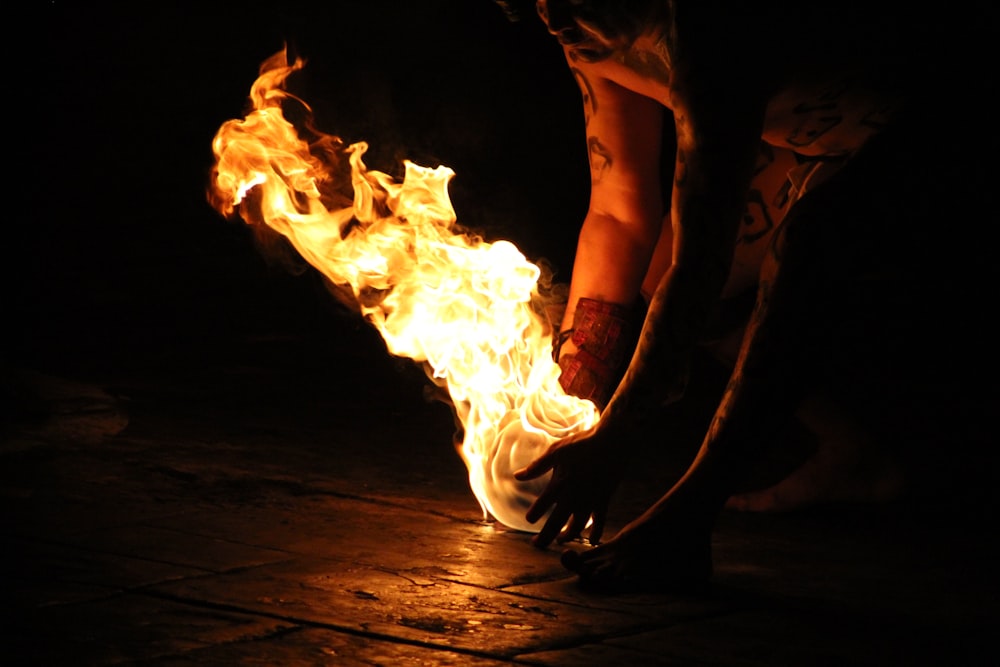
468, 310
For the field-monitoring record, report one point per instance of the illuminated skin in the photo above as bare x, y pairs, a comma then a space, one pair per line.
758, 109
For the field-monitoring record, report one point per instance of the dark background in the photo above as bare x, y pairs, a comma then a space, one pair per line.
116, 262
118, 272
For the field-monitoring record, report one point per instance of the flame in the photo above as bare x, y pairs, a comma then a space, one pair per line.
466, 309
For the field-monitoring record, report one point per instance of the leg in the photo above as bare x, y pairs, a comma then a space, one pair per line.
847, 465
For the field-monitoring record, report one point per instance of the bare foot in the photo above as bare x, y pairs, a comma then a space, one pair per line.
847, 466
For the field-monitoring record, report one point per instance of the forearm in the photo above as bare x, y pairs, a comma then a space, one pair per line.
707, 201
623, 135
675, 320
610, 263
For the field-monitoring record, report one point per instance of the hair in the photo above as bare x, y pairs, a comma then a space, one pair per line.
593, 30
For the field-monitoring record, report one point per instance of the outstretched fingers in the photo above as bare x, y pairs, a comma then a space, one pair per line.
574, 528
567, 524
597, 528
545, 500
552, 527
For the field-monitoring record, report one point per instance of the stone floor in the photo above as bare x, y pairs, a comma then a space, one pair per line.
246, 509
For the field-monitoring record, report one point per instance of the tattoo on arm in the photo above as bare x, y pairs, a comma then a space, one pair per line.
589, 100
601, 158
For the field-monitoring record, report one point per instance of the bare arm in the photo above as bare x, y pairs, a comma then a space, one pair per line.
623, 220
717, 146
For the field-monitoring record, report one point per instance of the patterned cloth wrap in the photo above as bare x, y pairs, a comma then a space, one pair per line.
605, 335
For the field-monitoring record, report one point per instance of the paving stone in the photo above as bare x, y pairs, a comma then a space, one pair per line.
311, 537
184, 550
304, 647
379, 535
793, 634
196, 550
43, 573
206, 553
125, 628
416, 607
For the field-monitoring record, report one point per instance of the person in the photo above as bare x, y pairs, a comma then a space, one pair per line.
762, 148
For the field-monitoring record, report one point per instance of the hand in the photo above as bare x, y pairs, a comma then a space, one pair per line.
585, 471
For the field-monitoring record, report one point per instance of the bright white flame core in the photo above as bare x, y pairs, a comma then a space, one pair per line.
465, 308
